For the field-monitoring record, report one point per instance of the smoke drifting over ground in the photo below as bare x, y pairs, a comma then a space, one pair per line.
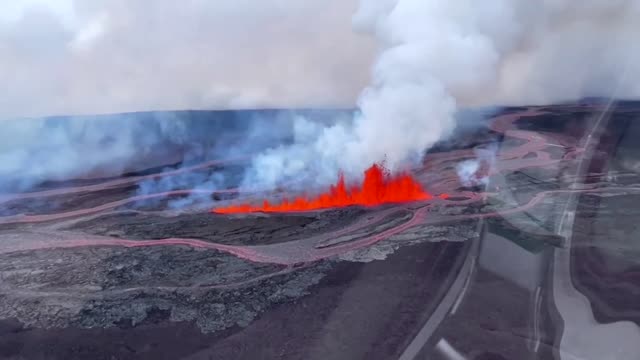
37, 150
435, 57
33, 151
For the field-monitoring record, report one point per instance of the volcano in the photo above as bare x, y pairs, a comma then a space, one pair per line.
378, 187
122, 271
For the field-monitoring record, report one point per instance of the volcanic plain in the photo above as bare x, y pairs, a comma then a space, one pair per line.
97, 269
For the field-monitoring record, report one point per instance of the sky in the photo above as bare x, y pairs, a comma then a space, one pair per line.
62, 57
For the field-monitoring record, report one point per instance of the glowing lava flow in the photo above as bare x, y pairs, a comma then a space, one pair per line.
378, 187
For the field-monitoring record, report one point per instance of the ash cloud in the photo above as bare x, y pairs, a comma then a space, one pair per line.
81, 58
73, 57
433, 58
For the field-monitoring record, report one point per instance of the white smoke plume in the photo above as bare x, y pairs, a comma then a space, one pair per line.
467, 173
475, 172
438, 55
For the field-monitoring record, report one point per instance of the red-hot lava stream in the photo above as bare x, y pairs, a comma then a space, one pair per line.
378, 187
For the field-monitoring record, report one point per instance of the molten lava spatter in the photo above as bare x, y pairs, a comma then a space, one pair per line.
378, 187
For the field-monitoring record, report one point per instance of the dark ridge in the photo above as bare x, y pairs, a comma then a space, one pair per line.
457, 198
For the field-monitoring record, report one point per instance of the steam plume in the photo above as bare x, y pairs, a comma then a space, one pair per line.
437, 55
475, 172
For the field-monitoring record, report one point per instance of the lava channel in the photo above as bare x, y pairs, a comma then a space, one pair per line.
378, 187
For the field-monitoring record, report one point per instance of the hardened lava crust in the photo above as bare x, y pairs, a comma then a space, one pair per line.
105, 267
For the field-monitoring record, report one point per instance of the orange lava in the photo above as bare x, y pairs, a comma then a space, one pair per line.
378, 187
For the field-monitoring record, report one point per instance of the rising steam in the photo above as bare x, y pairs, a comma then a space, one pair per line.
437, 55
475, 172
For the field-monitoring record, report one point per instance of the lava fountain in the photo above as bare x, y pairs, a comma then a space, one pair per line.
378, 187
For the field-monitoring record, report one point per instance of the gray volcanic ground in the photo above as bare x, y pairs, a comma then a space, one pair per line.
113, 268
